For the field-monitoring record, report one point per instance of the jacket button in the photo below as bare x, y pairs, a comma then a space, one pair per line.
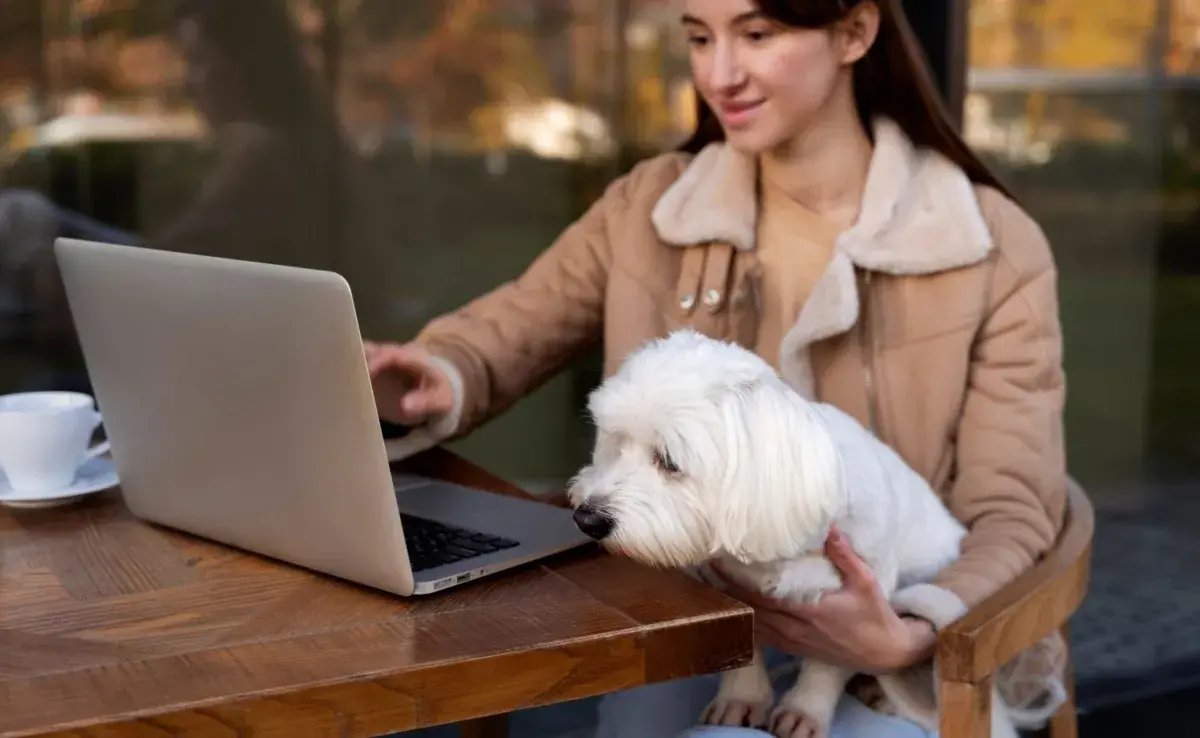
712, 297
687, 301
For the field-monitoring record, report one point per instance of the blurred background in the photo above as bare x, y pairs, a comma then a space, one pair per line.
429, 150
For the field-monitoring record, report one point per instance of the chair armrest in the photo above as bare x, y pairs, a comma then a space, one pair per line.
1026, 611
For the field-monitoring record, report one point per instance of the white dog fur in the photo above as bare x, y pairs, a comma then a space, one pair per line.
704, 453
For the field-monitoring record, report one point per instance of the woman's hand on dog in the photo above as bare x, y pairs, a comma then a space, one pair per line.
854, 627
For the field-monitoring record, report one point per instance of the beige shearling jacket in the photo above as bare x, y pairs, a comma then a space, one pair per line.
936, 324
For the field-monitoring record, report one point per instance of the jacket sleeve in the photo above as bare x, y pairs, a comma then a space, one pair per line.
1011, 484
503, 345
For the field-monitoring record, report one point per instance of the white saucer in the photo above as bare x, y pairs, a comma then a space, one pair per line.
94, 476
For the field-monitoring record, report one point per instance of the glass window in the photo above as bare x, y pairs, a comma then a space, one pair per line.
1091, 110
347, 135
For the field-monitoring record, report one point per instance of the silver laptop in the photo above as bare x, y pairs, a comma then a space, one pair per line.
239, 407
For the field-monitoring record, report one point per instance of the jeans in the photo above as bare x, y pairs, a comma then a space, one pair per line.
672, 709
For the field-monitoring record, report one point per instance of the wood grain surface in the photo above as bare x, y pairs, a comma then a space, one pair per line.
113, 627
1032, 607
973, 648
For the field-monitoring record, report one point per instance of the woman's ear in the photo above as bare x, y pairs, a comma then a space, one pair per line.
858, 30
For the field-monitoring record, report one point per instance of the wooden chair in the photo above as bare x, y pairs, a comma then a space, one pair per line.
972, 649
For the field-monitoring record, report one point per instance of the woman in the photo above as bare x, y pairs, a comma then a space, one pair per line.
825, 214
285, 182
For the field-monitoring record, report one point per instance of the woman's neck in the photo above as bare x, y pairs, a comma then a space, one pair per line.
823, 169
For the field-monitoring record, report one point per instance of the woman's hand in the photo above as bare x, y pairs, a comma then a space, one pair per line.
854, 627
409, 386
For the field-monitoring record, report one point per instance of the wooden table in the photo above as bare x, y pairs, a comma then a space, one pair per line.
112, 627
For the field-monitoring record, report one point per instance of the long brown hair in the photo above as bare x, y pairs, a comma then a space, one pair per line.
891, 80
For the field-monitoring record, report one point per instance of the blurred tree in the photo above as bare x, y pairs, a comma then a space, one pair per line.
1183, 46
453, 64
1076, 35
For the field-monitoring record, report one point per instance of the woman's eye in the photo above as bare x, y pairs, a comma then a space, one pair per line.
757, 35
697, 41
664, 462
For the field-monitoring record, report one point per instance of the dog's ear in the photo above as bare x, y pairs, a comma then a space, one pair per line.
782, 477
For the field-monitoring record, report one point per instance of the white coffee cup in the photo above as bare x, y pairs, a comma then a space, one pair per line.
45, 439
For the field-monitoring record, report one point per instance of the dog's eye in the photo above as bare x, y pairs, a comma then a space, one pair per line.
664, 462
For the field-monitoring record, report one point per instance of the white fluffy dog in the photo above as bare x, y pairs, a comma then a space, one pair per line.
704, 453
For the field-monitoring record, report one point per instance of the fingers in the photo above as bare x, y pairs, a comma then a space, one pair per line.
855, 572
755, 599
409, 387
739, 592
417, 404
781, 631
390, 357
770, 636
369, 350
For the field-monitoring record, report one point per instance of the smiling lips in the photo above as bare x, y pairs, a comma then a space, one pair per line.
736, 113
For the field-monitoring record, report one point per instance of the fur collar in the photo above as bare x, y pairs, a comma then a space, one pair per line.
919, 215
912, 200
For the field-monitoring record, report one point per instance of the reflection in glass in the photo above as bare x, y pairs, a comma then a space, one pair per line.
425, 150
1091, 111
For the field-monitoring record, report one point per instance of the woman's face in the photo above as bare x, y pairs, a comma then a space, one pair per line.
766, 82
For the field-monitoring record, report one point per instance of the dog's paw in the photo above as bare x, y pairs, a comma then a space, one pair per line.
868, 692
806, 580
787, 722
734, 712
812, 597
786, 589
774, 589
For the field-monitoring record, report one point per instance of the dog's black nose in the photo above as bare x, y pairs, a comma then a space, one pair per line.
593, 521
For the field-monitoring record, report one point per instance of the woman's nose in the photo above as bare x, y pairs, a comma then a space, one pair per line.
726, 72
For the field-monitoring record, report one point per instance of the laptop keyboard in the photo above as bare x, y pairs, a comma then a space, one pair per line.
431, 543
